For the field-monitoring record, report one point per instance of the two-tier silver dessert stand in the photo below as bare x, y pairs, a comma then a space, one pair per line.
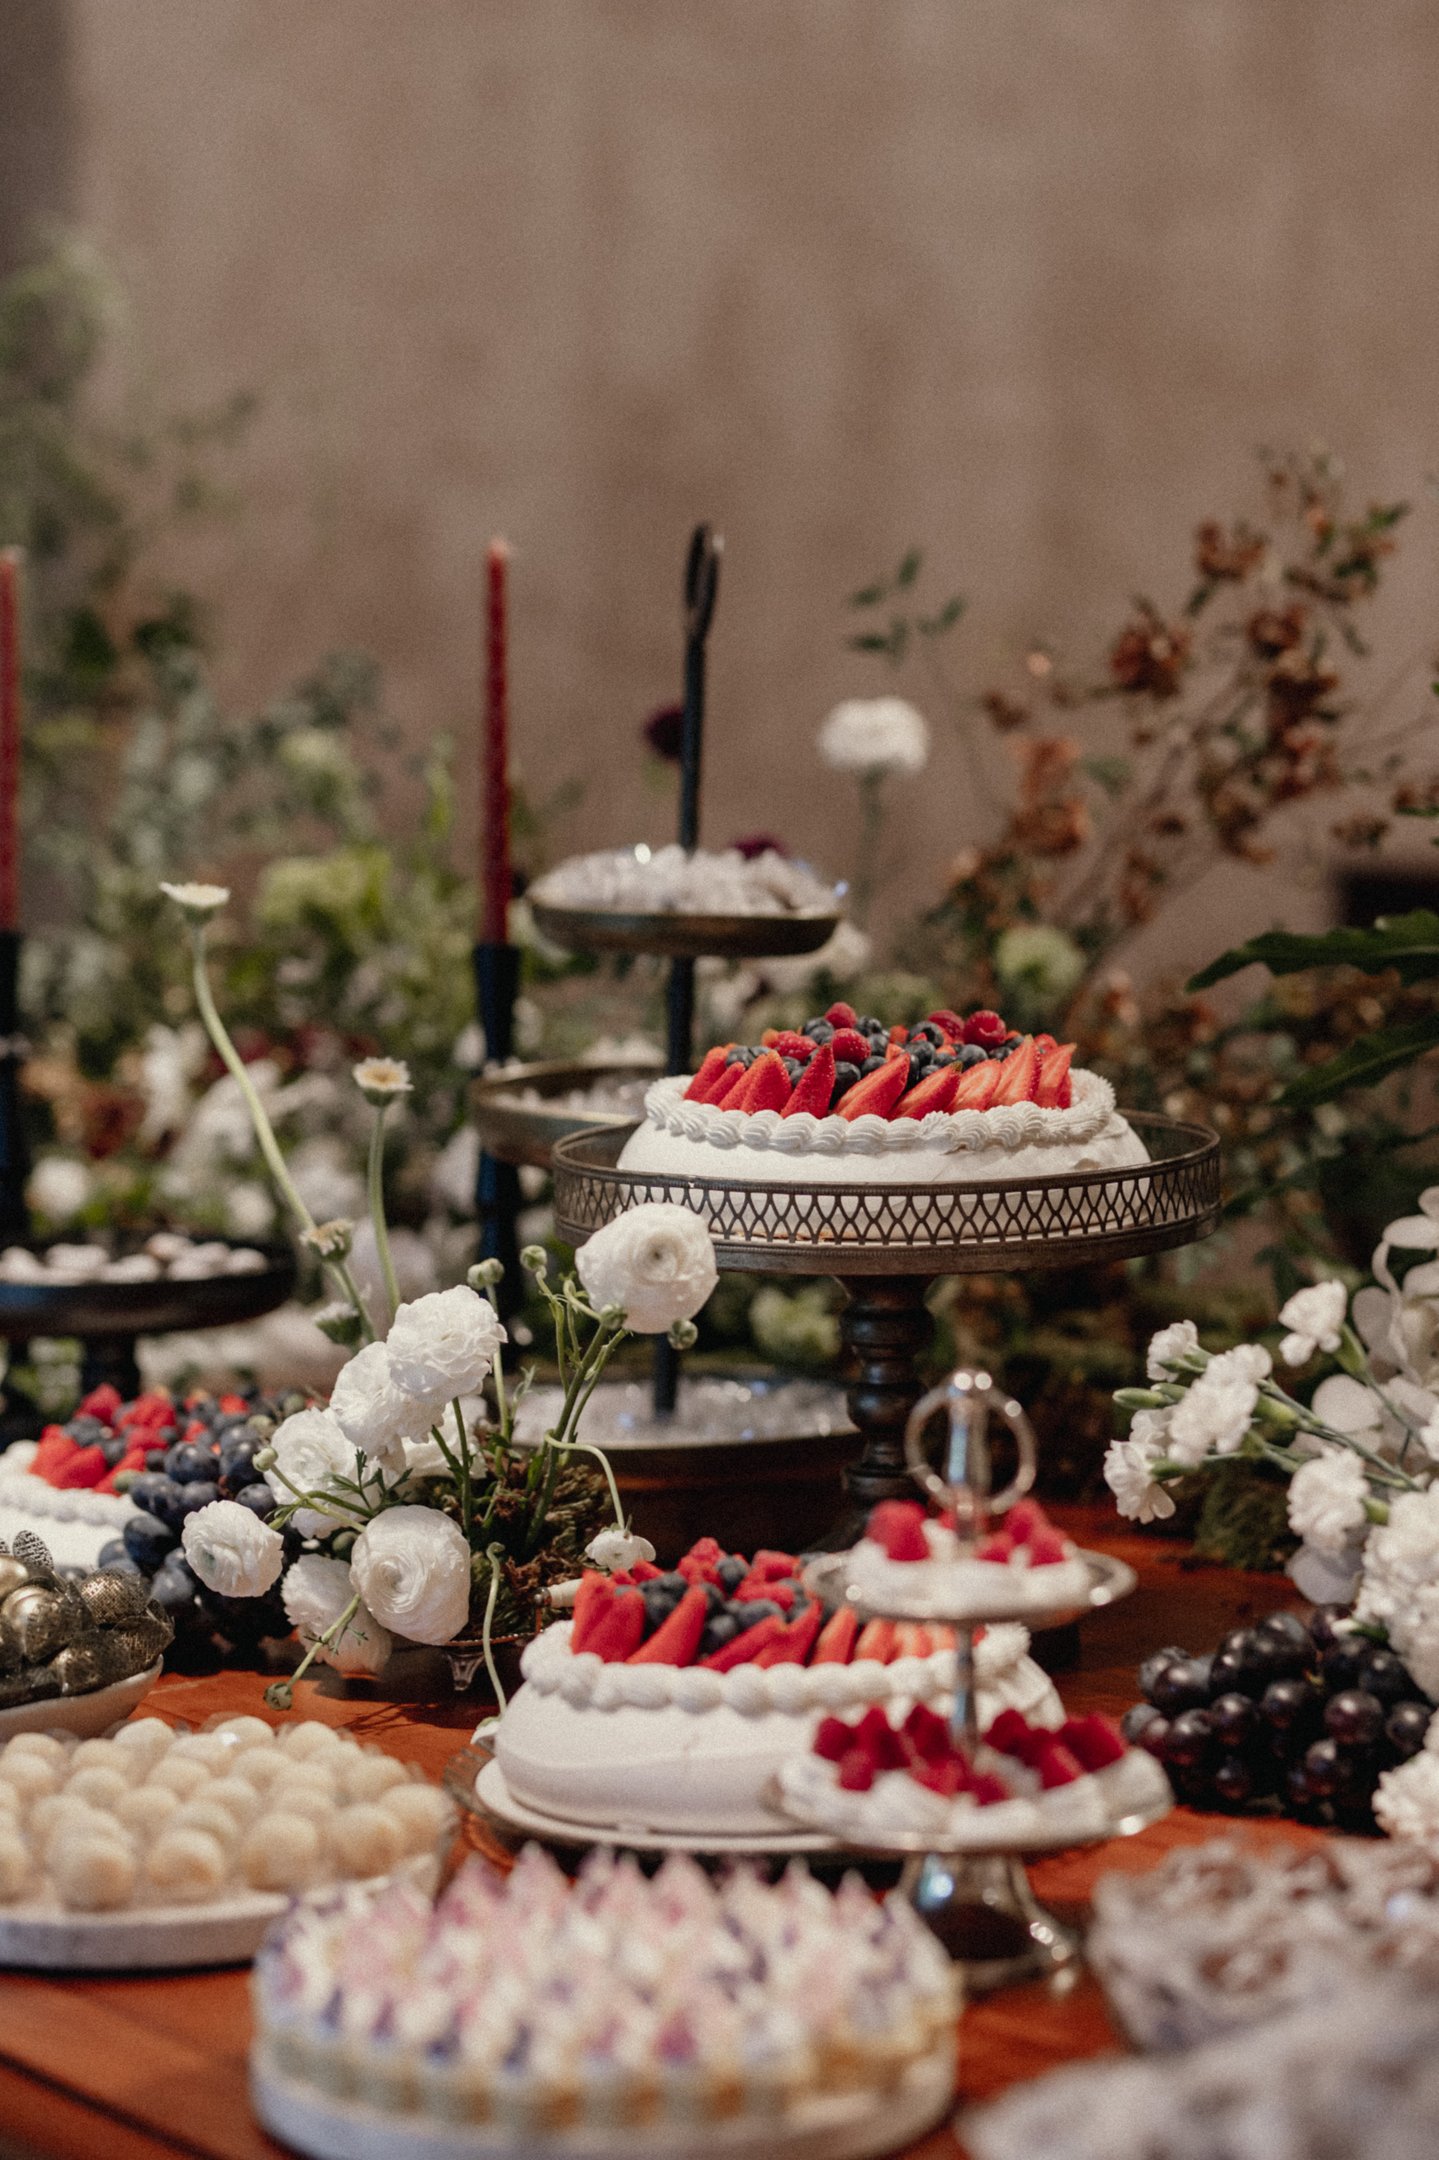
888, 1243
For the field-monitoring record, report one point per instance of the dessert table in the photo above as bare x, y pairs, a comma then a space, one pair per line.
155, 2066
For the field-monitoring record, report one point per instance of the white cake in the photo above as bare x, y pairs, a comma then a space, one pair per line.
958, 1147
953, 1585
682, 1749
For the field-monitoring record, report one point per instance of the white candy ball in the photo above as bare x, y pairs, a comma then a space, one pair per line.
98, 1784
201, 1813
91, 1871
363, 1840
243, 1732
16, 1865
44, 1744
149, 1736
145, 1809
105, 1755
179, 1777
259, 1767
365, 1776
30, 1777
199, 1747
282, 1852
234, 1795
185, 1865
421, 1813
309, 1738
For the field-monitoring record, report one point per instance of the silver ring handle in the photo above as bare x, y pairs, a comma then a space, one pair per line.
969, 1398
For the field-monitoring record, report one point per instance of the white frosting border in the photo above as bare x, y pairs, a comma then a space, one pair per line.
944, 1132
28, 1495
588, 1682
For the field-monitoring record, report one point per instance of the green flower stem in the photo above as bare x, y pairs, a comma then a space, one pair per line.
467, 1495
502, 1406
377, 1208
219, 1035
587, 1447
582, 1382
495, 1554
282, 1694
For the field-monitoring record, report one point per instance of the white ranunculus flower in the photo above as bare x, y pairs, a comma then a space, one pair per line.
444, 1345
1168, 1346
311, 1449
1314, 1317
1137, 1495
315, 1593
231, 1550
1326, 1500
375, 1415
616, 1548
656, 1262
875, 735
411, 1566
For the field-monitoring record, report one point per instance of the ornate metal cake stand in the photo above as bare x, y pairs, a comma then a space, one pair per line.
109, 1317
516, 1130
979, 1902
684, 937
888, 1243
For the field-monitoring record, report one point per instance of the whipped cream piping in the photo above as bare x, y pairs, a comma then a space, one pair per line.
57, 1503
585, 1681
946, 1132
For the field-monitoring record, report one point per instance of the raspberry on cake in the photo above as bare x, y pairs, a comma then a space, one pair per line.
912, 1563
846, 1098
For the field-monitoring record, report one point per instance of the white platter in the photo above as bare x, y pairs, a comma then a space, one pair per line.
43, 1936
836, 2126
86, 1715
488, 1795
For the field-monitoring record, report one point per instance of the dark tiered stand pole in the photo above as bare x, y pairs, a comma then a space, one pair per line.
14, 1156
886, 1329
701, 584
497, 1186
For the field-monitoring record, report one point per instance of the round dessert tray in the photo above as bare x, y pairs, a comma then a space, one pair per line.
887, 1243
109, 1316
1110, 1580
43, 1936
841, 2125
477, 1782
514, 1130
87, 1716
684, 937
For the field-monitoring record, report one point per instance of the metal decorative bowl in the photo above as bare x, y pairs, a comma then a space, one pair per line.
683, 937
514, 1130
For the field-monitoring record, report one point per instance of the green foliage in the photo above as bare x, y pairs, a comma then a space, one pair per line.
905, 620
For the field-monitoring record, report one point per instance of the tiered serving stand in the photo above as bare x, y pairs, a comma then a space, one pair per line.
977, 1898
888, 1243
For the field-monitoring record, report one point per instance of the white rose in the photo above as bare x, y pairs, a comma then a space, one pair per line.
311, 1450
1137, 1495
443, 1345
372, 1413
231, 1550
315, 1593
618, 1548
873, 736
1170, 1345
1314, 1318
1326, 1500
655, 1261
411, 1566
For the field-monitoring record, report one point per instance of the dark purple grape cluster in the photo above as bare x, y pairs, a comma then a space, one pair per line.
1302, 1719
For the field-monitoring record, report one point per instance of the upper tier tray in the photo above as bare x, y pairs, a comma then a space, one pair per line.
169, 1305
1069, 1221
1110, 1579
516, 1130
683, 937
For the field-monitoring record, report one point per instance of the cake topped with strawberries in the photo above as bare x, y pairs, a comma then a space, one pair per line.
1025, 1787
915, 1564
846, 1098
669, 1698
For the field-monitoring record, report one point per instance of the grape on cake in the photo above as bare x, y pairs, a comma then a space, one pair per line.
671, 1698
846, 1099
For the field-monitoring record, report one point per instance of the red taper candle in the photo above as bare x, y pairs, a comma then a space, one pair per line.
10, 738
496, 879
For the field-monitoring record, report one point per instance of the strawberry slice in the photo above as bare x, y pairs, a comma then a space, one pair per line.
620, 1629
833, 1739
910, 1639
727, 1088
947, 1777
926, 1733
880, 1741
837, 1638
102, 1402
856, 1771
877, 1095
745, 1647
876, 1640
1056, 1765
766, 1088
898, 1525
814, 1086
1023, 1519
1055, 1091
86, 1467
795, 1644
1017, 1074
791, 1044
677, 1638
707, 1078
1093, 1741
978, 1086
935, 1092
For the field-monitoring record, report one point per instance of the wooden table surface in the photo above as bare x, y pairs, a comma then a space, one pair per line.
150, 2067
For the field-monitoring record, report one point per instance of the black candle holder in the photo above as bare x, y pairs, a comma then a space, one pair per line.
497, 1184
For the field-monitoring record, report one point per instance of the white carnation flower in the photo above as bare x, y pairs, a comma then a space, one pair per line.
1215, 1414
1399, 1587
1169, 1346
311, 1450
1137, 1495
231, 1550
1249, 1362
444, 1345
617, 1548
656, 1262
315, 1593
411, 1566
1406, 1802
1314, 1318
1326, 1500
372, 1413
873, 736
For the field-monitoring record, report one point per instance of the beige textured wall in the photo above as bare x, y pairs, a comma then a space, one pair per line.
1023, 279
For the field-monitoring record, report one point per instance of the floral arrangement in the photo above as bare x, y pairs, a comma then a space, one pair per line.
1361, 1456
414, 1510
